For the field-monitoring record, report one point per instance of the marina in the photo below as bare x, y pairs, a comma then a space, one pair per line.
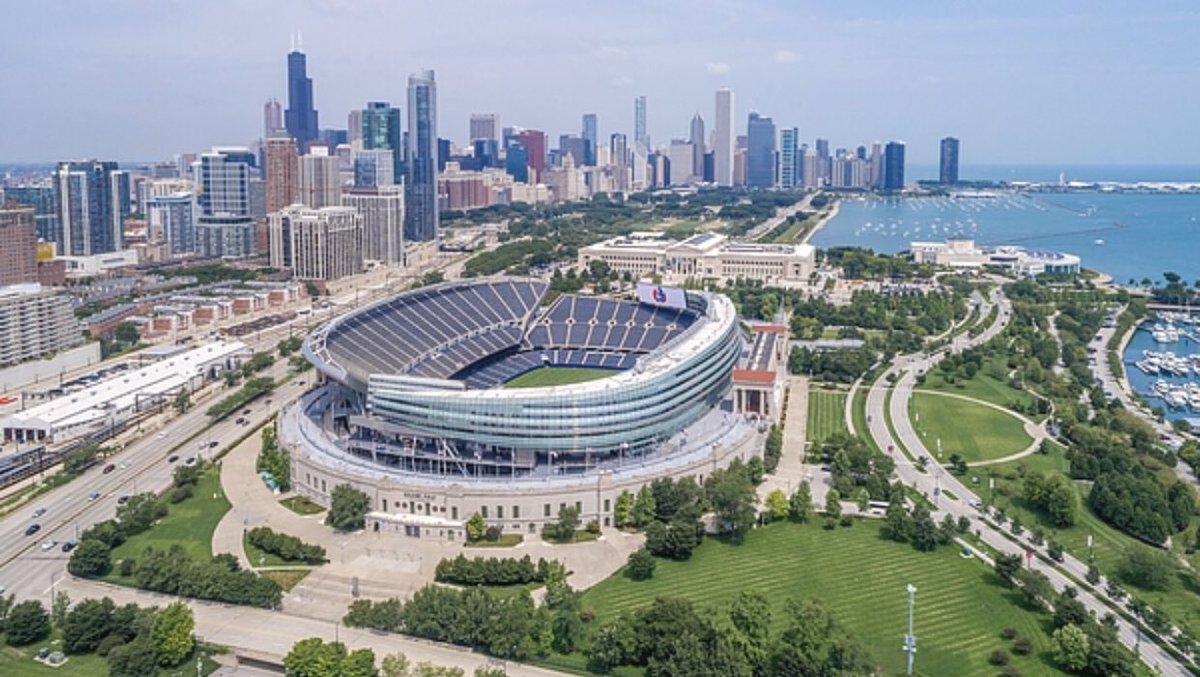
1162, 363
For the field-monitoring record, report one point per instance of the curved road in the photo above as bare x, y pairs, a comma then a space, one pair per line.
906, 368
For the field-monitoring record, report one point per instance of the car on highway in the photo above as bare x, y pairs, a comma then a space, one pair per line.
190, 460
109, 468
48, 545
33, 529
39, 512
172, 459
93, 496
213, 444
241, 420
122, 500
69, 545
161, 435
245, 412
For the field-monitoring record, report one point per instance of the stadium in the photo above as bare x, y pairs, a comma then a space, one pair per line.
443, 401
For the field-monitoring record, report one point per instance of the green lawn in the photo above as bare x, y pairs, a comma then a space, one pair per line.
826, 414
189, 524
301, 505
557, 376
971, 430
18, 662
287, 578
985, 385
961, 606
1180, 603
858, 416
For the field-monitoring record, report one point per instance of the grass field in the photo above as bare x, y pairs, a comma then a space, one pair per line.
826, 414
189, 524
18, 662
287, 578
961, 606
1180, 602
983, 386
971, 430
557, 376
301, 505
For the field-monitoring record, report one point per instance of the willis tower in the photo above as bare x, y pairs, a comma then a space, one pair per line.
300, 118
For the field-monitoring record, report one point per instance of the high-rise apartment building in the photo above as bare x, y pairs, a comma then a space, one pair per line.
948, 167
18, 244
516, 162
35, 322
320, 181
421, 201
225, 225
534, 142
641, 138
574, 146
893, 166
316, 244
484, 126
876, 175
45, 209
171, 219
89, 218
696, 138
590, 134
354, 128
760, 151
383, 130
618, 151
790, 161
373, 168
301, 116
723, 139
282, 173
382, 211
681, 158
272, 119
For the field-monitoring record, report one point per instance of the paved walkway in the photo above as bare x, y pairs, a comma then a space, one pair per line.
382, 565
793, 466
1036, 431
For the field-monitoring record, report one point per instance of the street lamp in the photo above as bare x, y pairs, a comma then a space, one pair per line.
910, 640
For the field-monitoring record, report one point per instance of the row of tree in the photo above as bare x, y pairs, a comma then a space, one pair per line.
275, 459
843, 365
135, 640
286, 546
494, 570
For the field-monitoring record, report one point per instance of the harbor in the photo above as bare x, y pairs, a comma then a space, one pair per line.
1162, 362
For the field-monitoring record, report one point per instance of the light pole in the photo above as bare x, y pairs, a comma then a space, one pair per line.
910, 640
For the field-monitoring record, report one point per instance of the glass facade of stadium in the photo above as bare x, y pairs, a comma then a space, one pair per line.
627, 412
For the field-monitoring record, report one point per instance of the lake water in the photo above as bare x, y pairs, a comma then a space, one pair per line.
1127, 235
1142, 383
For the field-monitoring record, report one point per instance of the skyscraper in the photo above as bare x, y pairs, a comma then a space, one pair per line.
272, 118
484, 126
354, 128
948, 172
320, 182
45, 209
283, 173
88, 220
172, 218
760, 151
696, 138
640, 138
316, 244
382, 130
723, 139
590, 134
382, 210
373, 168
618, 151
18, 244
681, 158
301, 116
789, 158
534, 142
516, 162
225, 227
893, 166
421, 203
876, 177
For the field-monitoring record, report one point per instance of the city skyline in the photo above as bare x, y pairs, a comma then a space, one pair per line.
901, 73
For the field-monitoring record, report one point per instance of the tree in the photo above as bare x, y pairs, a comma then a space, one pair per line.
127, 332
87, 624
924, 531
476, 526
59, 607
395, 665
800, 505
777, 505
312, 657
1036, 587
755, 470
134, 659
1070, 611
27, 622
833, 504
92, 559
897, 522
623, 510
1007, 565
348, 508
751, 617
862, 499
172, 634
1071, 647
731, 493
1146, 568
641, 565
644, 507
359, 663
183, 402
568, 522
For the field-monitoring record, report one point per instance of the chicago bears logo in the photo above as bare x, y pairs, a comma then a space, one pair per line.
659, 295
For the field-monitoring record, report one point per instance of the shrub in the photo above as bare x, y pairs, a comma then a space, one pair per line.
998, 657
846, 521
1022, 646
494, 571
641, 565
492, 533
1008, 633
593, 527
285, 546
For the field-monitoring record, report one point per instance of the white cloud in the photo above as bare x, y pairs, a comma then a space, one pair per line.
717, 68
786, 56
623, 81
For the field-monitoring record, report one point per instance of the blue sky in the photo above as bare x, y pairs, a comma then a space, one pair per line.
1017, 82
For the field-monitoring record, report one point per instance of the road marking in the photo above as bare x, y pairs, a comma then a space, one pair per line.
53, 583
